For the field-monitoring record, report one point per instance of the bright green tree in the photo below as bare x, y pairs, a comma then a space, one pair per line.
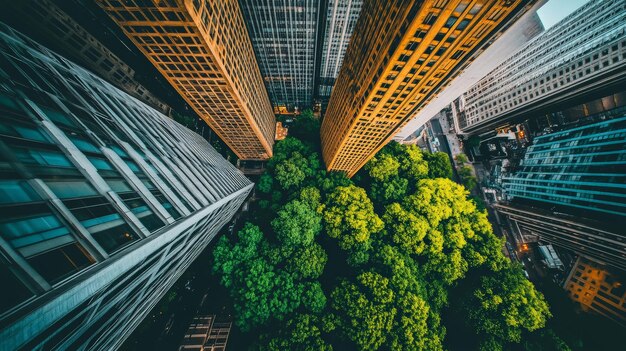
505, 304
297, 224
349, 217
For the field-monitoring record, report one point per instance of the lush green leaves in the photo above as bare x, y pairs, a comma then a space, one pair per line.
349, 217
505, 304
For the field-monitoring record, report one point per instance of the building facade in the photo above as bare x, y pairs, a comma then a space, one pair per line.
203, 49
104, 202
597, 240
284, 36
598, 289
506, 42
51, 24
400, 56
581, 169
583, 55
341, 17
207, 333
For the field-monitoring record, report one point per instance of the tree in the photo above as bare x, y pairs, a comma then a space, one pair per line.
306, 127
297, 224
458, 236
265, 183
406, 229
505, 304
382, 167
467, 177
261, 290
302, 332
349, 217
461, 159
439, 165
365, 309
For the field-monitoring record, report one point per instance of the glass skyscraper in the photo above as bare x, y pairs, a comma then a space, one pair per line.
104, 202
570, 190
581, 168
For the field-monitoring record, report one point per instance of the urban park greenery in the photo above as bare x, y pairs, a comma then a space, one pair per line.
373, 262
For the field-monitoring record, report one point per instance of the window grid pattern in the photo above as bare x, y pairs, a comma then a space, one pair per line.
284, 36
202, 48
565, 61
92, 158
583, 168
341, 17
584, 237
407, 56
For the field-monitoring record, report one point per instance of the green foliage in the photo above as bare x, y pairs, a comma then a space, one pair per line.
467, 177
306, 127
297, 224
461, 159
394, 189
349, 217
439, 165
391, 275
303, 332
366, 310
458, 236
260, 289
328, 181
505, 304
308, 261
265, 183
406, 229
382, 167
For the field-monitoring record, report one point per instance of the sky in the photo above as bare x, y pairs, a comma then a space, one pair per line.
555, 10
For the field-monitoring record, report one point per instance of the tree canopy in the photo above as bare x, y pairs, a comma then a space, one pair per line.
369, 263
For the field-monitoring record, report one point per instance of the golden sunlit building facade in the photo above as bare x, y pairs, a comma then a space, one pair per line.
598, 289
402, 54
203, 49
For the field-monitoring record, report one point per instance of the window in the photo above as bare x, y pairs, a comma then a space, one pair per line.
451, 21
17, 293
463, 24
61, 262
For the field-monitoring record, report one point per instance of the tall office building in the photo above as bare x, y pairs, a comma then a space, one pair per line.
577, 169
284, 36
570, 190
202, 48
341, 17
46, 22
400, 56
581, 57
505, 43
104, 202
599, 240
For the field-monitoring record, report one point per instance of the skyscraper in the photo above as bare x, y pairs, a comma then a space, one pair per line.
284, 36
104, 202
202, 48
341, 17
570, 190
400, 56
46, 22
581, 57
582, 168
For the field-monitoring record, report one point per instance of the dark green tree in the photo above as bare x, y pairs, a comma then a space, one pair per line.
439, 165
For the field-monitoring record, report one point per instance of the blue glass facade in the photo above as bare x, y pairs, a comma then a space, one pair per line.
578, 169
